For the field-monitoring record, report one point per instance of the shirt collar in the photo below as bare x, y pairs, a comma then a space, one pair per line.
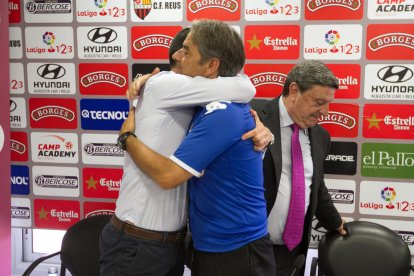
285, 119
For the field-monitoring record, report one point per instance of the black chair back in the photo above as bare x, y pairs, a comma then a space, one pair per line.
368, 249
80, 248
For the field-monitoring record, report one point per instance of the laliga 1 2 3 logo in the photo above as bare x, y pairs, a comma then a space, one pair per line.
332, 37
101, 4
388, 194
49, 40
272, 4
283, 9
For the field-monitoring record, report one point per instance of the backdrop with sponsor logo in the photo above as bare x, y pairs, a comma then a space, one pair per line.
71, 62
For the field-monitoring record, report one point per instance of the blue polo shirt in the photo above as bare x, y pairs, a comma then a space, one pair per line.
227, 207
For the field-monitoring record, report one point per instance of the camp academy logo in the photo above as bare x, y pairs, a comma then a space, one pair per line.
391, 39
48, 6
153, 40
57, 148
391, 9
314, 5
198, 5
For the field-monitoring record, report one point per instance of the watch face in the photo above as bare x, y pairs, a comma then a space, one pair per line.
121, 142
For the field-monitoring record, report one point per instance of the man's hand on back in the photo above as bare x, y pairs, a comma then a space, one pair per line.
260, 135
139, 82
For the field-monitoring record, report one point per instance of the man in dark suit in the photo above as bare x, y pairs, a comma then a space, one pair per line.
307, 92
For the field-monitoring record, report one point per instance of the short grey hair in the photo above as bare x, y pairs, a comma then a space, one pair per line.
308, 73
216, 39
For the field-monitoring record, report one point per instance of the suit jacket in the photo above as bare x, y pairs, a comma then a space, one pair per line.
320, 204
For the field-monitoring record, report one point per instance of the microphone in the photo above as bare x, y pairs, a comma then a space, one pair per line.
298, 264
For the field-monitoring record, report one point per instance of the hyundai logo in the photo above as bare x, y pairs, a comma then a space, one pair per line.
102, 35
13, 105
51, 71
395, 73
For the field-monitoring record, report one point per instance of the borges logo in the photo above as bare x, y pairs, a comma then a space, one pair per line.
152, 41
103, 76
338, 118
314, 5
198, 5
53, 113
18, 146
341, 120
391, 39
99, 213
268, 78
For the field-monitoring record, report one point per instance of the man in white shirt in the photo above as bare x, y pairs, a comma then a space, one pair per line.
146, 234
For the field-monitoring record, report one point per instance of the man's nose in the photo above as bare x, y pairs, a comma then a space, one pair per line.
324, 109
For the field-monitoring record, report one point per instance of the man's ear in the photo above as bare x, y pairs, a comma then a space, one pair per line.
212, 68
293, 91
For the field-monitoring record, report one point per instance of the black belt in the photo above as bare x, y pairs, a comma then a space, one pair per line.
174, 237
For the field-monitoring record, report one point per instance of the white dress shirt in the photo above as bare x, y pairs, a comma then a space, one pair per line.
278, 215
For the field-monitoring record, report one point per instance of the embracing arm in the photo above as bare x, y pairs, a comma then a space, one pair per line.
171, 90
161, 169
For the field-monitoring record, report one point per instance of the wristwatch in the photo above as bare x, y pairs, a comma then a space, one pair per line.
121, 142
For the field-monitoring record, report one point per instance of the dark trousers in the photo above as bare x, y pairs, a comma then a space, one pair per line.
123, 254
284, 260
255, 258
